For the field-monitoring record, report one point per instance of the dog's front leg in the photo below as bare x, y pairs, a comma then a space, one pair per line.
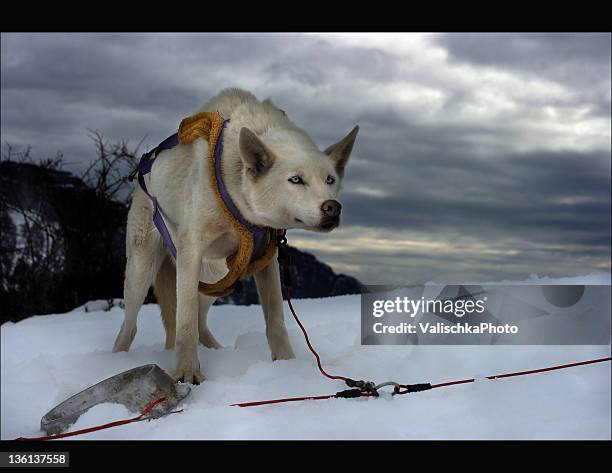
188, 263
271, 299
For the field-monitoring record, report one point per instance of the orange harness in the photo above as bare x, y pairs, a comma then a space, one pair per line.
210, 125
257, 245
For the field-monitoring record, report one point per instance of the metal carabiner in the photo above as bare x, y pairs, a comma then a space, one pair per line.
395, 385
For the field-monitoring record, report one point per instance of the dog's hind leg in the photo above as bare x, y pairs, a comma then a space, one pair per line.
270, 297
165, 293
139, 272
206, 337
144, 255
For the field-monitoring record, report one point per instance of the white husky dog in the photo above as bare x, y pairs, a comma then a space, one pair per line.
276, 176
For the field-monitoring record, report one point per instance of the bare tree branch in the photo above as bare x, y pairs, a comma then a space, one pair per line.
106, 172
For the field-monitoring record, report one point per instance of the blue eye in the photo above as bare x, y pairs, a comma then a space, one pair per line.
296, 180
330, 180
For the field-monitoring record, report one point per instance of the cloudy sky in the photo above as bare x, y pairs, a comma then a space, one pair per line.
480, 157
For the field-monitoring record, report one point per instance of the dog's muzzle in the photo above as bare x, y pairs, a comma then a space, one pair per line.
331, 210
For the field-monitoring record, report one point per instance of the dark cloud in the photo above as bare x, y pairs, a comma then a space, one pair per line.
537, 196
475, 178
573, 59
529, 50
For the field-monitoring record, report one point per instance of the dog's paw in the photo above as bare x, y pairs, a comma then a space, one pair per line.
209, 341
188, 376
283, 353
124, 340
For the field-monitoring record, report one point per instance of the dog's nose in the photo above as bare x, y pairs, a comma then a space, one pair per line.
331, 208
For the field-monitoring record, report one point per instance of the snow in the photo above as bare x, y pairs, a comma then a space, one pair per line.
46, 359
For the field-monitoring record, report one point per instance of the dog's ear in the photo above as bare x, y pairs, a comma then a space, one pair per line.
255, 156
340, 151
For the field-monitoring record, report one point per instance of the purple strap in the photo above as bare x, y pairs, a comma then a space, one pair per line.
158, 220
260, 234
144, 167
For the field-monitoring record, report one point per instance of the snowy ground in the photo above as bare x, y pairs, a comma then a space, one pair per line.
46, 359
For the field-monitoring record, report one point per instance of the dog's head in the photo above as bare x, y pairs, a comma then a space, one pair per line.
289, 182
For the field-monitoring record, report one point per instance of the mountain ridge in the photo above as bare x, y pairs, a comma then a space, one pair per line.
63, 244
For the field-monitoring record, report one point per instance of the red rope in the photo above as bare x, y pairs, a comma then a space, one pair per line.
550, 368
433, 386
523, 373
312, 350
98, 427
287, 399
400, 391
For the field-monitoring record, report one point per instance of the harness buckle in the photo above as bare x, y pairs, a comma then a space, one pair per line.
284, 258
281, 240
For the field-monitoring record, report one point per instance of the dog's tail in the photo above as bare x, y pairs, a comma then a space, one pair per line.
165, 292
